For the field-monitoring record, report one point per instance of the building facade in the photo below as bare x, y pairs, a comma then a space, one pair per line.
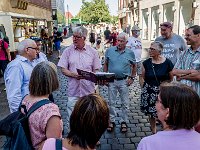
21, 18
128, 12
58, 12
182, 13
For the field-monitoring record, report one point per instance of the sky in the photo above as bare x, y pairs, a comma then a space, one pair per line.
75, 5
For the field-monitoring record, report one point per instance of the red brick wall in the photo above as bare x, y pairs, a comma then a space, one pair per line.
41, 3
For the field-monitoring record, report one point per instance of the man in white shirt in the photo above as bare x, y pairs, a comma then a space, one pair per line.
134, 43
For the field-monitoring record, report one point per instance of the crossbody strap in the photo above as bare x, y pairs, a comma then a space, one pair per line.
37, 105
58, 144
154, 73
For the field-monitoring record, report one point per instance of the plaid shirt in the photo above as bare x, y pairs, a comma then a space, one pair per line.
190, 60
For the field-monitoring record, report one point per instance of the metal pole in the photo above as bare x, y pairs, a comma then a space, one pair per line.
68, 15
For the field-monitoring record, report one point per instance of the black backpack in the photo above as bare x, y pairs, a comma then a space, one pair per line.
16, 127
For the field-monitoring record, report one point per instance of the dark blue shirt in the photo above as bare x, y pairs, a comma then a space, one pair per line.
161, 71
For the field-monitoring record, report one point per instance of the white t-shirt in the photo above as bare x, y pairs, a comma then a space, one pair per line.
136, 46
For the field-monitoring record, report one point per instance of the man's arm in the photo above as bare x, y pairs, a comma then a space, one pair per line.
193, 75
13, 80
133, 70
180, 73
132, 75
68, 73
105, 67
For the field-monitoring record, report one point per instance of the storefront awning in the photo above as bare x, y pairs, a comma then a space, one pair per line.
19, 16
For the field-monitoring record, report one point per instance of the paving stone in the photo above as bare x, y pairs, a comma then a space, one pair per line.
104, 147
129, 146
140, 134
135, 139
117, 146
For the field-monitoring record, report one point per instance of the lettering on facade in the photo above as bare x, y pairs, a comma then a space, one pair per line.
19, 4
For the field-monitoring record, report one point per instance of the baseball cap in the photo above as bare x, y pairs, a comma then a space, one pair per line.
166, 25
136, 28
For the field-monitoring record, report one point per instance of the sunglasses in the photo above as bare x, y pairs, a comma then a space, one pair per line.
165, 25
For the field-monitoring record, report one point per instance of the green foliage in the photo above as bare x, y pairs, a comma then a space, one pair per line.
114, 20
94, 12
61, 18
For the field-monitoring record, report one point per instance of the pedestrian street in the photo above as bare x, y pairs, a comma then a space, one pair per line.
138, 125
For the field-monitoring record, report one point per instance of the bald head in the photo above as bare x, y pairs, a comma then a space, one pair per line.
25, 44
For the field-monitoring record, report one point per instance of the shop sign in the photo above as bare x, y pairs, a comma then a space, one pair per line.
20, 4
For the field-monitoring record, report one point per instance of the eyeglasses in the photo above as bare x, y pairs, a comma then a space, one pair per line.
77, 37
120, 40
188, 35
152, 49
36, 48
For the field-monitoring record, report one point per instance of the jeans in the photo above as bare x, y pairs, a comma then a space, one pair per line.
3, 65
70, 107
121, 87
57, 45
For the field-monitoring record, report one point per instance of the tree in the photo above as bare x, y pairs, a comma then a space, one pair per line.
94, 12
114, 20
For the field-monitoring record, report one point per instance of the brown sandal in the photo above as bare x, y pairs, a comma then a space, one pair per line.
111, 127
124, 127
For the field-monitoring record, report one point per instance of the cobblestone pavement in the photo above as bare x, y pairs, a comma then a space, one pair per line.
138, 125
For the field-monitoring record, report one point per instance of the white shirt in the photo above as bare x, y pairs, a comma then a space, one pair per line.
135, 45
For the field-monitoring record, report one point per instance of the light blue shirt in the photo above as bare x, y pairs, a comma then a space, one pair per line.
17, 76
42, 57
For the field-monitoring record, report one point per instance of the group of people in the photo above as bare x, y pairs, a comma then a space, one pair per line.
176, 105
49, 41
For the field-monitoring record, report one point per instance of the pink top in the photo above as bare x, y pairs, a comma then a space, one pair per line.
171, 140
2, 53
38, 121
86, 59
50, 144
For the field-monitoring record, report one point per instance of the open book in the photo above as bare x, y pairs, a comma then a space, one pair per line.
94, 77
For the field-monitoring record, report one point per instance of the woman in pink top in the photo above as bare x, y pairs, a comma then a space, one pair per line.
4, 54
46, 121
178, 109
88, 122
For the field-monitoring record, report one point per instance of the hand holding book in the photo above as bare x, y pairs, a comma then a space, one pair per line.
98, 77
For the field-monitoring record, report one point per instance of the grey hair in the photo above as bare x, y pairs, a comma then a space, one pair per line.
82, 31
123, 35
159, 44
23, 45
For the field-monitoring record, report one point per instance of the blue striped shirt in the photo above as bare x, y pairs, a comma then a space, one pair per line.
190, 60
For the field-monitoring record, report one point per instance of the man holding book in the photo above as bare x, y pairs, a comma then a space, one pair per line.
78, 56
121, 61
